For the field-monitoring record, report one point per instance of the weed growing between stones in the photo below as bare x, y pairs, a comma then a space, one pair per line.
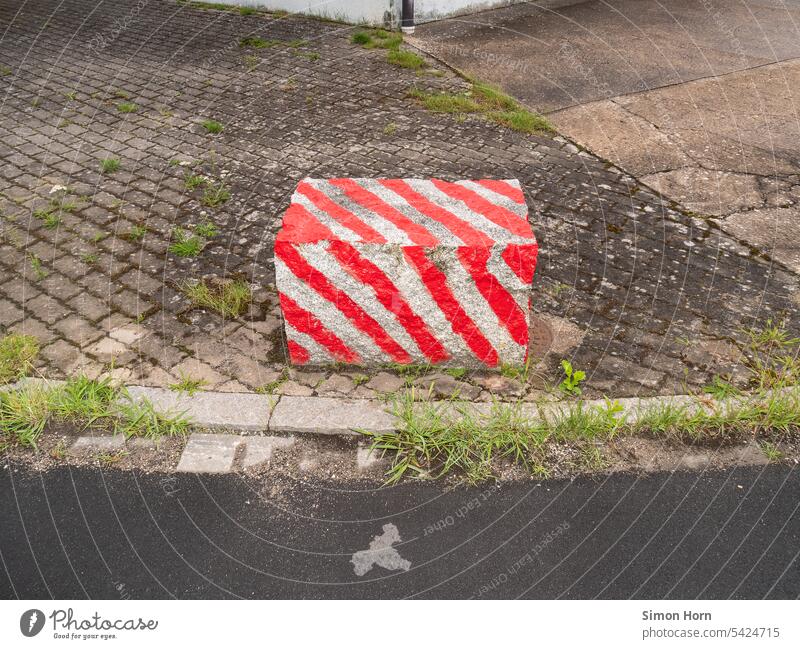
187, 385
215, 194
212, 126
572, 379
109, 165
136, 233
405, 59
391, 41
85, 403
185, 245
52, 214
487, 101
17, 354
228, 298
439, 438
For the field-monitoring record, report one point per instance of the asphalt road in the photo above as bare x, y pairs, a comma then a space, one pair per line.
77, 533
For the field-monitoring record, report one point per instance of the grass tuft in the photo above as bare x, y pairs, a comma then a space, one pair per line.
405, 59
186, 245
212, 126
25, 412
215, 194
17, 354
487, 101
127, 107
188, 385
140, 419
109, 165
229, 298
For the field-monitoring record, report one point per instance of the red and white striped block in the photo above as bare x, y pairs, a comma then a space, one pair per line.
374, 271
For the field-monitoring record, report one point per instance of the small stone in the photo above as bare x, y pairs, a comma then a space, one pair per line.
311, 379
294, 389
89, 443
445, 386
385, 382
128, 334
501, 385
199, 371
336, 384
107, 350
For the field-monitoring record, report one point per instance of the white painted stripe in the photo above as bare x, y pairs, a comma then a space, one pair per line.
477, 308
414, 292
341, 232
328, 313
498, 267
317, 353
362, 294
444, 235
389, 231
459, 209
520, 210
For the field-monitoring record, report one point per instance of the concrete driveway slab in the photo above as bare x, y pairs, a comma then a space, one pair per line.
700, 101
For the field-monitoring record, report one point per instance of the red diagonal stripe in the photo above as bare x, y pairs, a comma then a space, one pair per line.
505, 189
307, 323
358, 194
495, 213
458, 227
297, 353
522, 260
343, 216
301, 226
436, 283
500, 300
322, 285
390, 297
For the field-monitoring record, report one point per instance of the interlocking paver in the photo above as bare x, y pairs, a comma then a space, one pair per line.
631, 275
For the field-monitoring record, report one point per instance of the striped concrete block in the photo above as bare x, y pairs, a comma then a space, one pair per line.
374, 271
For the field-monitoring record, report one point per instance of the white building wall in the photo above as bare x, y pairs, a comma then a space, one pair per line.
385, 12
370, 12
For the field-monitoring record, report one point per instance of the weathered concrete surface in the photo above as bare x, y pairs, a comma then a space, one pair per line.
727, 147
700, 101
377, 271
555, 58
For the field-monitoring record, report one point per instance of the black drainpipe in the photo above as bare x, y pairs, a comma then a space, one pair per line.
407, 22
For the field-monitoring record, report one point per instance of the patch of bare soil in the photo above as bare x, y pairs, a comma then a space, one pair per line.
319, 459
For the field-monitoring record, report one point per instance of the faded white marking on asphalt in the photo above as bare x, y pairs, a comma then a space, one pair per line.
380, 553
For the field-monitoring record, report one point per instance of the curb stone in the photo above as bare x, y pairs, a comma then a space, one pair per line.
213, 410
331, 416
250, 412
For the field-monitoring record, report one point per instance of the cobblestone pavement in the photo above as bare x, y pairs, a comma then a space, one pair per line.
642, 296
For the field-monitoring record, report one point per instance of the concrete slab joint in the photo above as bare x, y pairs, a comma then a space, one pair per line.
375, 271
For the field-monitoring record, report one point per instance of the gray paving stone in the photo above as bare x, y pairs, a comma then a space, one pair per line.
209, 453
328, 415
227, 410
632, 275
